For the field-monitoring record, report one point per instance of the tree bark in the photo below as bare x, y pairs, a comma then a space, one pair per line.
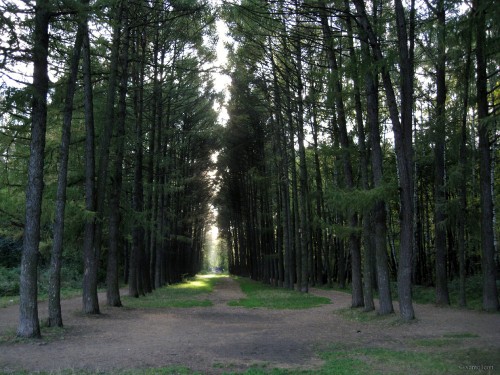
112, 278
402, 130
55, 316
354, 241
90, 193
442, 295
490, 292
91, 256
29, 325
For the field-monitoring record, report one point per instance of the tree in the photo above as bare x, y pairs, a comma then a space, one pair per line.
29, 325
490, 293
55, 316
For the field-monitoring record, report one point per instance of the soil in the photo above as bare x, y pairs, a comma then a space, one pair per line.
212, 340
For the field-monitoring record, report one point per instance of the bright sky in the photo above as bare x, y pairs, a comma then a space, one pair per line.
222, 81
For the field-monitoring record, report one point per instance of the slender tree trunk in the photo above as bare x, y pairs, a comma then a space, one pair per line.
89, 299
354, 242
403, 145
29, 325
137, 254
55, 316
379, 210
462, 238
91, 254
91, 257
368, 233
442, 295
490, 292
112, 279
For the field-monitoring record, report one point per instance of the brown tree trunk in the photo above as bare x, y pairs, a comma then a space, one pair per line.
490, 292
403, 145
55, 315
90, 190
112, 279
29, 325
354, 241
442, 295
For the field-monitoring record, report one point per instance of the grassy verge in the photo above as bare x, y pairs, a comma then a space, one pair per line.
191, 293
261, 295
414, 359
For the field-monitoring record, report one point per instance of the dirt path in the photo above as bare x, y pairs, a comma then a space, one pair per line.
211, 339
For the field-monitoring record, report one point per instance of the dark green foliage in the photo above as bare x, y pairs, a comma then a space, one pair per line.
9, 281
10, 252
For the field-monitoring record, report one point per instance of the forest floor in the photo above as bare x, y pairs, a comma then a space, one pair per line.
221, 338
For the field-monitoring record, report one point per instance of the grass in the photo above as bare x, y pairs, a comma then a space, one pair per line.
49, 334
266, 296
352, 360
190, 293
358, 315
414, 357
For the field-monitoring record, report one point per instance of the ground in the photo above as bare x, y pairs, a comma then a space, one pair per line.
212, 339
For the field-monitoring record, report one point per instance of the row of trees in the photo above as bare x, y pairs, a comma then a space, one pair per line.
361, 146
116, 145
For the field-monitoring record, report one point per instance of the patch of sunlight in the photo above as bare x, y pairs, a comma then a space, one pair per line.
192, 285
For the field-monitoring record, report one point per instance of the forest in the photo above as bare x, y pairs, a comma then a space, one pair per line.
360, 148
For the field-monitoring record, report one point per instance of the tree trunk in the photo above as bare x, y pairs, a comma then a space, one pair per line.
89, 300
354, 242
55, 316
462, 239
442, 295
29, 325
403, 145
112, 278
368, 233
490, 292
90, 255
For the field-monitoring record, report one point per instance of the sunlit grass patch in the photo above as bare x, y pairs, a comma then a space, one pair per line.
189, 293
261, 295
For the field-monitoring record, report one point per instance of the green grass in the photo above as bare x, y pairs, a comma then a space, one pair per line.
49, 334
352, 360
461, 335
190, 293
261, 295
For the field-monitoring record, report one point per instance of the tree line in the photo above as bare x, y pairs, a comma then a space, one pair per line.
362, 147
109, 146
